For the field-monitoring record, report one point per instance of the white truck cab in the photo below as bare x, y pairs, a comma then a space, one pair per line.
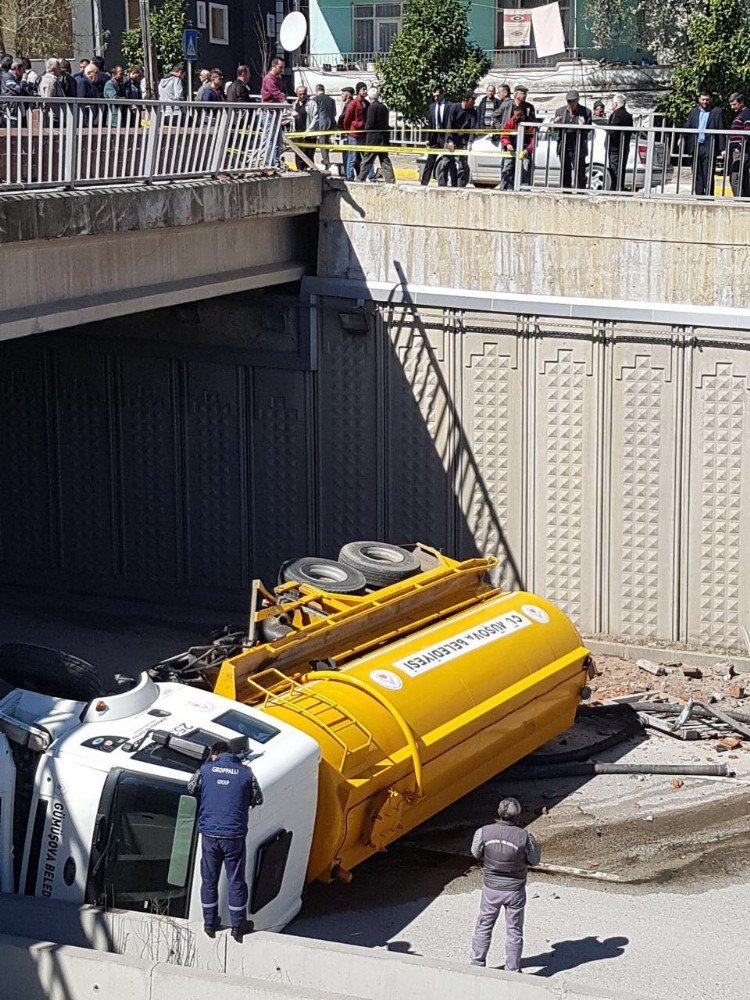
94, 806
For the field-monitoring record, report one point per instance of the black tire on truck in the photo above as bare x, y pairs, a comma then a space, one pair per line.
325, 574
49, 671
380, 563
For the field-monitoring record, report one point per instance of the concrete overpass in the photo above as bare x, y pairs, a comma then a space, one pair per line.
87, 255
559, 378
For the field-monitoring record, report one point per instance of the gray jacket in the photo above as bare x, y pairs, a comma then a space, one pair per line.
506, 850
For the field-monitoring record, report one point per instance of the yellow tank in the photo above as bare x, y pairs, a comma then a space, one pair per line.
431, 687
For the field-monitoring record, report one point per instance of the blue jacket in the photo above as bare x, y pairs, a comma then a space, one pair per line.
226, 789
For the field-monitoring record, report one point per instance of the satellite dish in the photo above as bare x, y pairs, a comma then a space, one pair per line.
292, 31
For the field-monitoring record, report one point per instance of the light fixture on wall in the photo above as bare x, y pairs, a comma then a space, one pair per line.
354, 321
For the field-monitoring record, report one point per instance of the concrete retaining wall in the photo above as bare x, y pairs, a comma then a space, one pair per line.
651, 250
266, 966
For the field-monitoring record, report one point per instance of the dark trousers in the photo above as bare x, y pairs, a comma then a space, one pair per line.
446, 171
573, 160
462, 171
368, 164
739, 170
430, 168
617, 158
230, 852
703, 169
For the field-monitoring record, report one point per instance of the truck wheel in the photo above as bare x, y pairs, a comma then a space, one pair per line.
326, 574
49, 671
379, 562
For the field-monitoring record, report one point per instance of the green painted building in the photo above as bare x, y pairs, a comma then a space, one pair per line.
344, 32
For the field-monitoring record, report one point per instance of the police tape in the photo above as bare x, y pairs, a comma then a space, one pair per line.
403, 150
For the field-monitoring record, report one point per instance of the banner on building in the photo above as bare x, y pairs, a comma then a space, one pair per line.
516, 28
549, 36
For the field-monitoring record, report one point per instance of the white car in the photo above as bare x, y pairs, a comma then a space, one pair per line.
486, 165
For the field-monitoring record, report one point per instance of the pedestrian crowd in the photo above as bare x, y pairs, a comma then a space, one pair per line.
363, 123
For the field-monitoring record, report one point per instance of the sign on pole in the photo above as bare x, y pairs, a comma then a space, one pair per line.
190, 44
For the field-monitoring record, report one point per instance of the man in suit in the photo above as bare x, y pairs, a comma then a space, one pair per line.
378, 134
701, 147
461, 119
321, 115
437, 115
573, 143
618, 143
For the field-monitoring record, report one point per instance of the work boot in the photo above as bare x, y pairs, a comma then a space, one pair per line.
246, 927
211, 929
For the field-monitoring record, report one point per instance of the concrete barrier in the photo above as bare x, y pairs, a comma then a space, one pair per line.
179, 961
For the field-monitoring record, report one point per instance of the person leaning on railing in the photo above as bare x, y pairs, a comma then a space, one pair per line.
509, 146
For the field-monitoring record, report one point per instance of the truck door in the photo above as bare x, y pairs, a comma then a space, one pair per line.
7, 793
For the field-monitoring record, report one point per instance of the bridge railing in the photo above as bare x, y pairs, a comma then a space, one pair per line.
52, 143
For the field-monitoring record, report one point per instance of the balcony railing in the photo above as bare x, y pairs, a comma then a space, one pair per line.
341, 62
69, 143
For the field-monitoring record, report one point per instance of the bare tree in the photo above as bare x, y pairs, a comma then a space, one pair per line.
38, 28
264, 46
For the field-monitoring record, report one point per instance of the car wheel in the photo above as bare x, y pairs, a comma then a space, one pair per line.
325, 574
49, 671
380, 563
598, 178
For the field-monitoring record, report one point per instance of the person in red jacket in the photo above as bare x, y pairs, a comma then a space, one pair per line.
354, 121
272, 92
509, 145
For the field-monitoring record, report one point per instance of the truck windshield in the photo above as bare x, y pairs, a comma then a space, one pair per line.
144, 846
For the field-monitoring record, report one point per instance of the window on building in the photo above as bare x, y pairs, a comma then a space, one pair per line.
526, 55
218, 24
132, 14
200, 14
375, 25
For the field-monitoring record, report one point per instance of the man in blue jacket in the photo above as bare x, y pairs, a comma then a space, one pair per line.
226, 789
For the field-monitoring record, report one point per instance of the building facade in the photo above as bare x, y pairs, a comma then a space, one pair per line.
354, 34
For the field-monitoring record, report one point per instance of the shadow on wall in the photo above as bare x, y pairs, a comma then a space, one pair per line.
395, 460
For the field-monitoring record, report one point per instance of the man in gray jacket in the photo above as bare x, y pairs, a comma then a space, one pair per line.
506, 851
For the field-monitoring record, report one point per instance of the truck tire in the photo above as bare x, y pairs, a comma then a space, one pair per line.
326, 574
380, 563
49, 671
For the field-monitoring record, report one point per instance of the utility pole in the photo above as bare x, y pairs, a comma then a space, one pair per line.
149, 62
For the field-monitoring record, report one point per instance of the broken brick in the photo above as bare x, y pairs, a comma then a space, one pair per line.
730, 742
736, 690
694, 673
677, 783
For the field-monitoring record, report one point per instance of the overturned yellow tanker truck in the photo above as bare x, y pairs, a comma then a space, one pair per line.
416, 692
368, 693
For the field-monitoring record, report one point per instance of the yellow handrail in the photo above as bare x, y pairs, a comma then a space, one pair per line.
355, 682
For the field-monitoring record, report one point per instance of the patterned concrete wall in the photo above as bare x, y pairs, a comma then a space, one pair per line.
609, 463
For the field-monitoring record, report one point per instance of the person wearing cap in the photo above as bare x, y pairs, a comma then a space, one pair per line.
462, 118
347, 95
227, 790
506, 851
354, 122
520, 96
598, 116
573, 143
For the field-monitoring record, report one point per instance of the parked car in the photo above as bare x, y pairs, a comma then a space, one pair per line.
486, 166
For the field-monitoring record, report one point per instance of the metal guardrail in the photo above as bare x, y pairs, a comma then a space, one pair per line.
52, 143
641, 161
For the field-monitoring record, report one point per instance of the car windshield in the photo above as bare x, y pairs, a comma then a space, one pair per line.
144, 846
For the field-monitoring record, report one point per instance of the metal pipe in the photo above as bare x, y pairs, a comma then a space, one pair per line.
527, 772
